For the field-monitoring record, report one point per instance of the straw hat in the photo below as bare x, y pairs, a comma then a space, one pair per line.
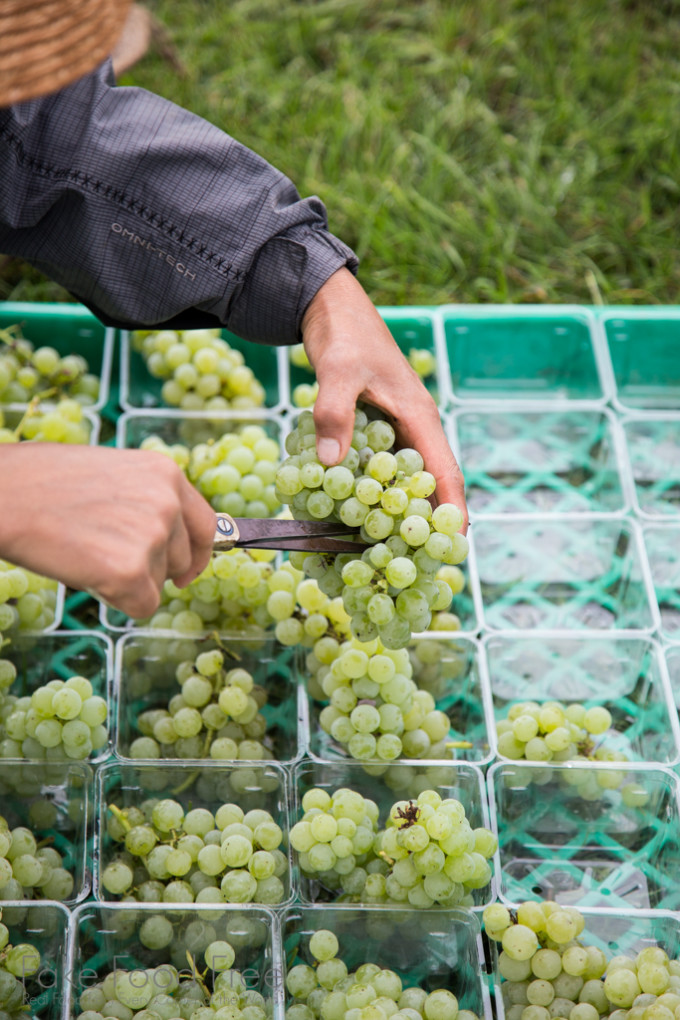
47, 44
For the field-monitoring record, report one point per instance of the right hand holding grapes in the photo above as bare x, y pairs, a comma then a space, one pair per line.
117, 523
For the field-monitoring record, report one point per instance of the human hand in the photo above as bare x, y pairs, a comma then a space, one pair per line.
117, 523
355, 357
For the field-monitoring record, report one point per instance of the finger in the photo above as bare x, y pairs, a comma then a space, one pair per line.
334, 417
200, 522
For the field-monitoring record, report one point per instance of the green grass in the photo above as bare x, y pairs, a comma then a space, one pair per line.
497, 150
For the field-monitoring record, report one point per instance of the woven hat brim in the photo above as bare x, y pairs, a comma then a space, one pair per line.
47, 44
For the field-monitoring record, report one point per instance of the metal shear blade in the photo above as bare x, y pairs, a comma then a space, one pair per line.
260, 533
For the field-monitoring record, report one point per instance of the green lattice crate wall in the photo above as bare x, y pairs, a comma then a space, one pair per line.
70, 329
528, 461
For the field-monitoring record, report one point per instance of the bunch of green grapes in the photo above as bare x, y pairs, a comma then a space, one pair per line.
326, 987
61, 720
230, 594
201, 370
394, 586
26, 371
235, 473
215, 714
171, 992
375, 709
426, 854
17, 962
27, 602
548, 971
29, 870
62, 422
173, 856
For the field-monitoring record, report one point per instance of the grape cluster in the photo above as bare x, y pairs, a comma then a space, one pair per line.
215, 714
17, 962
170, 992
27, 602
29, 870
236, 472
61, 720
27, 371
549, 972
426, 854
63, 422
375, 709
230, 594
330, 990
552, 731
173, 856
201, 371
395, 585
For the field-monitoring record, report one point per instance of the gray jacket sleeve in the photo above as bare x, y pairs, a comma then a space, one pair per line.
151, 216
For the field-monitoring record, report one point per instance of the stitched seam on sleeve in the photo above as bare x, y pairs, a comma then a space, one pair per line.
125, 202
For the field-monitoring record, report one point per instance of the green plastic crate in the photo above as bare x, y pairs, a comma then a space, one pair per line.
643, 349
70, 329
504, 354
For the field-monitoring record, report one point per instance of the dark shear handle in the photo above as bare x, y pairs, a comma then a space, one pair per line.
226, 533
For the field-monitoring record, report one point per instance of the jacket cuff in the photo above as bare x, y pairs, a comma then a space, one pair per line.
291, 267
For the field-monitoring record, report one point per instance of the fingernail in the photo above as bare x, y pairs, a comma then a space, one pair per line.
328, 451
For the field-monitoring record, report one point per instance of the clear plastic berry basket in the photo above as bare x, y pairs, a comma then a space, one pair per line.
653, 446
662, 543
208, 786
108, 937
585, 835
627, 675
414, 330
146, 664
55, 801
140, 389
45, 926
614, 932
70, 329
385, 785
185, 427
59, 655
510, 355
528, 461
672, 656
643, 351
452, 675
430, 948
575, 573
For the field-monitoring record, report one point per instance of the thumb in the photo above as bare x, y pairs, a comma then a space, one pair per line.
333, 418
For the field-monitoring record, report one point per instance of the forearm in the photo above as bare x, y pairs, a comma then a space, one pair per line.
147, 213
